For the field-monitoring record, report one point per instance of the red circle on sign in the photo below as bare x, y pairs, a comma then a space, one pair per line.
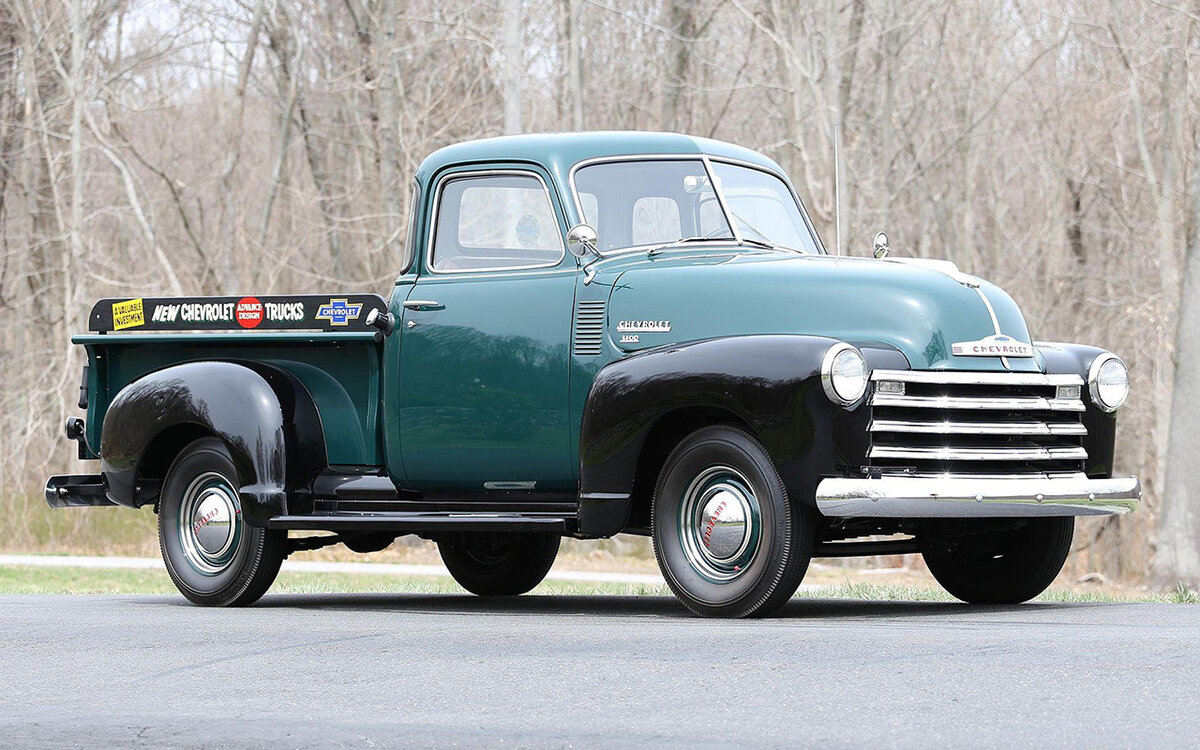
249, 312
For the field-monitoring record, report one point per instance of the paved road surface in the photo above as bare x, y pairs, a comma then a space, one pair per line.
379, 671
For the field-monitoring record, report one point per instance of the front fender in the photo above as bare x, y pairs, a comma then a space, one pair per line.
771, 383
228, 400
1100, 441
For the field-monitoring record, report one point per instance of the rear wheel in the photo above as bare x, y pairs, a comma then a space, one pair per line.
729, 541
997, 562
212, 555
498, 564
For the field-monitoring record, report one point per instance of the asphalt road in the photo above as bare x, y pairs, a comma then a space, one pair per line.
379, 671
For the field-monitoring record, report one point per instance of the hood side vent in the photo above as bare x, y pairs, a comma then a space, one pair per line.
589, 328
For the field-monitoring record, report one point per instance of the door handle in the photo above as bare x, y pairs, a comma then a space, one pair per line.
418, 304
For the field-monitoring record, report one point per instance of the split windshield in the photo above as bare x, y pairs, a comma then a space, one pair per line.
656, 202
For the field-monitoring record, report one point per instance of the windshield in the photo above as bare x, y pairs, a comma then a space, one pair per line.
661, 201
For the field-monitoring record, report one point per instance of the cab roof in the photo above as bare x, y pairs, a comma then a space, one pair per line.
558, 152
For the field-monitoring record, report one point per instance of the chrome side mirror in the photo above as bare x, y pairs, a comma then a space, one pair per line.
881, 246
582, 241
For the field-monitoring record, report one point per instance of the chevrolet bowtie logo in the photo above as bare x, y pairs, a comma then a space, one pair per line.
339, 312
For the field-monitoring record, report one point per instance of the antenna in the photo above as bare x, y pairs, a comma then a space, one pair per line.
837, 185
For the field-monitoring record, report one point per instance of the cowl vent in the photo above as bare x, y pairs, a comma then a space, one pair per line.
589, 328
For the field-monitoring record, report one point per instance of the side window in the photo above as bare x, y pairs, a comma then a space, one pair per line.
494, 222
655, 219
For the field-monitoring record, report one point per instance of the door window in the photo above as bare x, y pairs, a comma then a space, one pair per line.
495, 222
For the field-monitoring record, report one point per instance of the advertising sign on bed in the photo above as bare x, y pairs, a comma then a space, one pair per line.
346, 312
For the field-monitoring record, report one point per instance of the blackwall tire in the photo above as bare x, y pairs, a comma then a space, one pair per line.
498, 564
979, 564
213, 556
728, 540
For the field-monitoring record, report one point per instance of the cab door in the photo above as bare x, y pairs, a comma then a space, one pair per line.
486, 339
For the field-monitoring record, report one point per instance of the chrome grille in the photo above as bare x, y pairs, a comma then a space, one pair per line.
930, 422
589, 328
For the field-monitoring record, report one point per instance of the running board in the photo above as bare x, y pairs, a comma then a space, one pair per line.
867, 548
413, 522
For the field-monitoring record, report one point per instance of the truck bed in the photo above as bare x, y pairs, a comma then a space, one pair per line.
342, 366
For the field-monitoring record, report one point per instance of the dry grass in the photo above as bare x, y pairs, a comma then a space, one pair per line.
38, 580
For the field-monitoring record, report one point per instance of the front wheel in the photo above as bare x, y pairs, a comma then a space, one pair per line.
997, 562
213, 556
728, 540
498, 564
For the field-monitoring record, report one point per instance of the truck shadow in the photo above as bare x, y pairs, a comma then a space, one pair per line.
628, 606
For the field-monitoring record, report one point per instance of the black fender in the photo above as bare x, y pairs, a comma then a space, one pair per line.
770, 383
262, 414
1100, 442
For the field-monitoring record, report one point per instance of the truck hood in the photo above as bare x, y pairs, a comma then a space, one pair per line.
919, 307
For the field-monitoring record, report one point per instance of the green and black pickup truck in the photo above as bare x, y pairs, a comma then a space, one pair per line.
602, 333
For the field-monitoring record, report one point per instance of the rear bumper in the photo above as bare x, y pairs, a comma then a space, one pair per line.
76, 490
991, 497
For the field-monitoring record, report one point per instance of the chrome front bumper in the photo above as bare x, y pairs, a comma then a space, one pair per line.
960, 497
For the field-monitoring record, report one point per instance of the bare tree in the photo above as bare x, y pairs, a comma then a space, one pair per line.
1047, 145
514, 55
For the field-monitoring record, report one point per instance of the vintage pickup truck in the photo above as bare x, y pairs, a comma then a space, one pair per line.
601, 333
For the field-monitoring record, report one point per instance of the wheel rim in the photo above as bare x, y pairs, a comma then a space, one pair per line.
210, 523
720, 524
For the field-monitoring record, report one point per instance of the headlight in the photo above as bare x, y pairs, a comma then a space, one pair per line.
844, 374
1108, 382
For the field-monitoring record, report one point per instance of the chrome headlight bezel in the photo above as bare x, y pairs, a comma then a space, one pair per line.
1094, 386
841, 350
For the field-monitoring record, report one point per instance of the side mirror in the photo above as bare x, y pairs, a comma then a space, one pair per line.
881, 246
582, 241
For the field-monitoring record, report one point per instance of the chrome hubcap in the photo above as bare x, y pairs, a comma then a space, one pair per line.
719, 524
210, 523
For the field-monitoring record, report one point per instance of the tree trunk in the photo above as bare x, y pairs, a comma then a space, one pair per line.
514, 57
845, 88
390, 185
682, 23
574, 65
73, 258
233, 155
289, 51
1177, 559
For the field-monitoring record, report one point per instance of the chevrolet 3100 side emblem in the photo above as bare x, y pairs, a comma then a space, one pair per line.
992, 346
644, 326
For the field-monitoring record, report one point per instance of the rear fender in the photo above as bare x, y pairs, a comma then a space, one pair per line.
263, 415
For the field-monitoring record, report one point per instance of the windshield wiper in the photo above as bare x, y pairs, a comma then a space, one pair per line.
745, 241
685, 240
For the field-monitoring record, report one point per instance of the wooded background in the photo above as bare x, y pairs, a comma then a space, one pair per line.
267, 146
